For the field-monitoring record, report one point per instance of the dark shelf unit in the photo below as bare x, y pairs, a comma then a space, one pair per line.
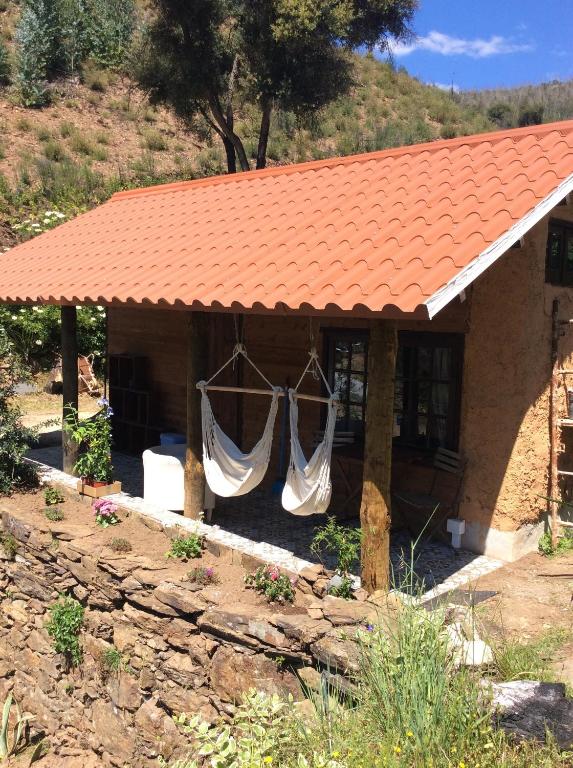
131, 400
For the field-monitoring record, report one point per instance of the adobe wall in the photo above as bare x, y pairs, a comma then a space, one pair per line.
505, 403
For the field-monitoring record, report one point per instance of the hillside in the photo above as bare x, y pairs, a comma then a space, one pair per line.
98, 132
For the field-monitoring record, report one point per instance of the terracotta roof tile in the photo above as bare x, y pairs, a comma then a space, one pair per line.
365, 233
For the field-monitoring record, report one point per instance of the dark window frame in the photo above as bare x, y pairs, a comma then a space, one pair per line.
558, 268
455, 341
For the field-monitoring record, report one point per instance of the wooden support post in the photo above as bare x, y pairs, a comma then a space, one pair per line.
375, 515
69, 381
554, 441
197, 344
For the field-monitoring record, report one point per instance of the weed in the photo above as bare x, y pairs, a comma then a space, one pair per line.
516, 660
43, 133
154, 141
64, 626
67, 129
344, 543
267, 580
186, 547
54, 151
12, 745
80, 144
102, 137
564, 544
53, 496
96, 79
23, 124
110, 662
203, 576
10, 545
120, 545
54, 514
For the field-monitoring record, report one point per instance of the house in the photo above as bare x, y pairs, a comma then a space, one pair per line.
438, 274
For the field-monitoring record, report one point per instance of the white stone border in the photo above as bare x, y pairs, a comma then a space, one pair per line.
268, 553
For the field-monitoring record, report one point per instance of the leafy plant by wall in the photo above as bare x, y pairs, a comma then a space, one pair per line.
64, 626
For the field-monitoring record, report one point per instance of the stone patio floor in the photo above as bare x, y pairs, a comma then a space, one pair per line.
259, 517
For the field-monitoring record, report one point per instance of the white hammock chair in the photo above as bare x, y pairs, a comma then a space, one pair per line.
308, 488
229, 471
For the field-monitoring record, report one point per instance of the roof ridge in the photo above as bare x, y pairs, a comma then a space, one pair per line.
291, 168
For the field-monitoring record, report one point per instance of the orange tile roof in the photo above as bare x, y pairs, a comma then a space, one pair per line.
399, 230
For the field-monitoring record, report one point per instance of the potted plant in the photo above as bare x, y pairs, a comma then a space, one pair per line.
94, 438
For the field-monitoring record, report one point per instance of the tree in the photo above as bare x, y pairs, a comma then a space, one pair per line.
530, 114
5, 66
208, 58
500, 113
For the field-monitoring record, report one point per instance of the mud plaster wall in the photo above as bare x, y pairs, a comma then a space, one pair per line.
505, 403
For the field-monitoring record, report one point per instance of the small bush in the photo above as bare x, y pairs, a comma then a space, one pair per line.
564, 544
9, 544
54, 151
111, 662
120, 545
54, 514
67, 129
344, 543
43, 133
80, 144
186, 547
23, 124
53, 496
203, 576
267, 580
64, 626
154, 141
95, 78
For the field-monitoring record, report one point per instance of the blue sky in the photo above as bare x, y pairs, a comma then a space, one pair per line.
490, 43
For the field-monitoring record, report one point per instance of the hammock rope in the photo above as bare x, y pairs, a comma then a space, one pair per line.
308, 487
229, 471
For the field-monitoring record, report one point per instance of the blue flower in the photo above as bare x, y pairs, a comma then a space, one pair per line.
102, 402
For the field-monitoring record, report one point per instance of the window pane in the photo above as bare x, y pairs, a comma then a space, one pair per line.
342, 413
440, 399
424, 390
358, 356
422, 425
442, 363
424, 362
341, 385
400, 362
399, 395
356, 414
341, 354
356, 388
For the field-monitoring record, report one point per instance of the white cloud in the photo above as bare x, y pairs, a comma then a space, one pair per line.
446, 45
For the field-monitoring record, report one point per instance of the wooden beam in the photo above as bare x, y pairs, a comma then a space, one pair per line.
197, 345
375, 517
69, 381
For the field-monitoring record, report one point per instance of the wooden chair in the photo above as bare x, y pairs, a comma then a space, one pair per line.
442, 502
86, 378
344, 463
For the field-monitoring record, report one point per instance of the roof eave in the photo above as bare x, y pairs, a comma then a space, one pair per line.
493, 252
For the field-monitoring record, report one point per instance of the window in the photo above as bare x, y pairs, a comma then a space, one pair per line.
559, 261
428, 386
428, 389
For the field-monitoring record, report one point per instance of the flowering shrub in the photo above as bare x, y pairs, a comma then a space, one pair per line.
105, 512
270, 582
203, 576
94, 438
35, 225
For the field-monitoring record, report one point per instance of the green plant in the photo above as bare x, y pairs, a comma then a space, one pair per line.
34, 39
186, 547
120, 545
64, 626
94, 438
105, 512
54, 514
67, 129
203, 576
12, 745
9, 544
54, 151
80, 144
53, 496
518, 660
110, 662
270, 582
15, 439
344, 543
154, 141
564, 544
5, 65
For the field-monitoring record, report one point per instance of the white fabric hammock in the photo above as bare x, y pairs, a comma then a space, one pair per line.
308, 488
229, 471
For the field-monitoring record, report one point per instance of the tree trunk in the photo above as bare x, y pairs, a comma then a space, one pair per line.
197, 344
375, 516
264, 134
69, 381
229, 133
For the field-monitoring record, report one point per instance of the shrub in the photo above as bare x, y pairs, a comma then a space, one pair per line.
105, 512
5, 66
267, 580
35, 50
54, 151
344, 543
53, 496
94, 77
203, 576
120, 545
81, 144
64, 626
15, 439
93, 436
186, 547
9, 544
154, 141
54, 514
67, 129
23, 124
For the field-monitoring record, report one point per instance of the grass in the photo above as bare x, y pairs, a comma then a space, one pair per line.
53, 150
564, 544
153, 140
81, 144
517, 660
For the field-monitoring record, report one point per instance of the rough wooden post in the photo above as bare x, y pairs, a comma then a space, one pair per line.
69, 381
375, 506
197, 344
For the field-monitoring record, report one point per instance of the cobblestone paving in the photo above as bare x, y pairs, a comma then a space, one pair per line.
260, 518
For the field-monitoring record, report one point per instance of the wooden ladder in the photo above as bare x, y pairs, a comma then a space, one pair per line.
558, 376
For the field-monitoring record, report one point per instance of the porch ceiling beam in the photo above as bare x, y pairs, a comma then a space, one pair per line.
375, 508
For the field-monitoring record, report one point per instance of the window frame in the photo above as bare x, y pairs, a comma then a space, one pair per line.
561, 275
455, 341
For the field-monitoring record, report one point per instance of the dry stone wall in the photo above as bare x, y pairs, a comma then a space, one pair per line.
181, 651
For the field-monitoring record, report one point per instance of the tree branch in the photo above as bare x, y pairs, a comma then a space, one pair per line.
219, 118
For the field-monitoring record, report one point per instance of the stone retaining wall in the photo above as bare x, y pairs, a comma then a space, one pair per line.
183, 651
